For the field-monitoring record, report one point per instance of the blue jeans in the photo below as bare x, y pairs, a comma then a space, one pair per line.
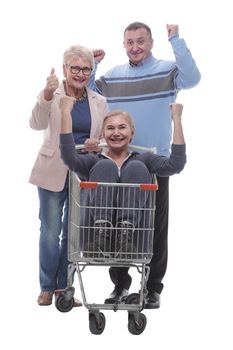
53, 262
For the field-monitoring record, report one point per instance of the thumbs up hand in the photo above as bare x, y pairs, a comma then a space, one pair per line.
52, 84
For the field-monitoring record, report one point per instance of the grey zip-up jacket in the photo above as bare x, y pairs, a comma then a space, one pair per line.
156, 164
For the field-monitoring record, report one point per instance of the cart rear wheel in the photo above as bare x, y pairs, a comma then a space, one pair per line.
62, 304
96, 322
136, 327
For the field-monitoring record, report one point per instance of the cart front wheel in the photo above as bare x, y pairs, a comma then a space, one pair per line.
134, 298
97, 323
64, 305
136, 327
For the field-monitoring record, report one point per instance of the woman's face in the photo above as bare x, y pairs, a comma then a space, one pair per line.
77, 73
117, 132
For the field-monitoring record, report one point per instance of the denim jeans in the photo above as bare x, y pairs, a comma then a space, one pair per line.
53, 215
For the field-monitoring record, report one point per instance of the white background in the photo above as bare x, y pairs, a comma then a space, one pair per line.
196, 311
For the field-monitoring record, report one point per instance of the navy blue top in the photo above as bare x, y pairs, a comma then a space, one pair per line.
81, 121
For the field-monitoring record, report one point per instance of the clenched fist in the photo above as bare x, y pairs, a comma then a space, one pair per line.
176, 109
67, 103
98, 55
172, 29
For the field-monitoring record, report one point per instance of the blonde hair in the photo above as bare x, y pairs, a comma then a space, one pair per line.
117, 112
78, 51
126, 116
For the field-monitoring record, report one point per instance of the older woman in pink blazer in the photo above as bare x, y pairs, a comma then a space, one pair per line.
49, 173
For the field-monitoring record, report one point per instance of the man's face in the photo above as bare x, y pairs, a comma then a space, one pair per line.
138, 44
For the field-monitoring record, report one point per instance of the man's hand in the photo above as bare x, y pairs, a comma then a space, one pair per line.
98, 55
51, 85
172, 29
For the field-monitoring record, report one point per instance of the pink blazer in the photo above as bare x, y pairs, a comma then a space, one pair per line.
49, 171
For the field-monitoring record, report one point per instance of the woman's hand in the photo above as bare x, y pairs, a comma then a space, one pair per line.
67, 103
91, 145
51, 85
178, 136
176, 109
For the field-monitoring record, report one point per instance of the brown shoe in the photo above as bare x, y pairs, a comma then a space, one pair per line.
77, 303
45, 298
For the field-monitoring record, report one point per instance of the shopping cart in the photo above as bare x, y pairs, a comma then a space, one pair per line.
88, 245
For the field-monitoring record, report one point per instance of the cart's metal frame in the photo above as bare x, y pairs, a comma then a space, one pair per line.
139, 259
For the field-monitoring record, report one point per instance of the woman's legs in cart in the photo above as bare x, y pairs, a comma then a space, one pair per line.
102, 199
131, 172
107, 171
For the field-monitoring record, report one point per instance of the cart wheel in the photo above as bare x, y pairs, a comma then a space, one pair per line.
134, 298
136, 327
62, 304
97, 323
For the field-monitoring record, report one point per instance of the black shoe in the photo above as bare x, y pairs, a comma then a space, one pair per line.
152, 300
102, 239
124, 239
117, 296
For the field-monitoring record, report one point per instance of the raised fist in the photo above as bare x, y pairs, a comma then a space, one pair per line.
98, 55
172, 29
67, 103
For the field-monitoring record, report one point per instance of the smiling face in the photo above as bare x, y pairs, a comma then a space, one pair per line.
77, 79
118, 130
138, 44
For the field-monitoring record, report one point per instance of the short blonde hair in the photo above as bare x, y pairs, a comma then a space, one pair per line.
78, 51
126, 115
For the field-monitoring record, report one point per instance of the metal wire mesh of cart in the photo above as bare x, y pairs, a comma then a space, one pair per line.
111, 222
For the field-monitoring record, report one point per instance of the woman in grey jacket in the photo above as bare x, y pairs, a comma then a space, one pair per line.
117, 164
49, 172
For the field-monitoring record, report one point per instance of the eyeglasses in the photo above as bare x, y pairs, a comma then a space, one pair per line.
77, 69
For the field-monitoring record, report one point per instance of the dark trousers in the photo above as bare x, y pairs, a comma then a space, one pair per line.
106, 170
158, 264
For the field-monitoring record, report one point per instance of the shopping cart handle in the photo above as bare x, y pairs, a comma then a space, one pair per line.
144, 149
132, 147
101, 145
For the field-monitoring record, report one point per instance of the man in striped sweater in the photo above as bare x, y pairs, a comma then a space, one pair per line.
144, 87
